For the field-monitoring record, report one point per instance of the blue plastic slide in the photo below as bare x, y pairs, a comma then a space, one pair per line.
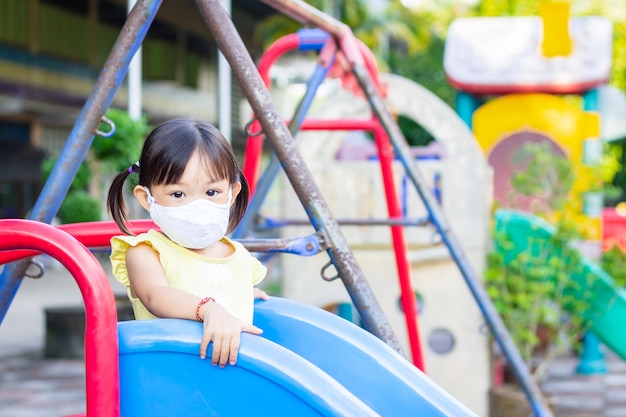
361, 362
307, 363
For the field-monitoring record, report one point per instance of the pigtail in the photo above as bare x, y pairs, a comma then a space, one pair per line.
115, 199
238, 209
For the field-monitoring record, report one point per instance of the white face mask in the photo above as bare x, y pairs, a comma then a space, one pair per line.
194, 225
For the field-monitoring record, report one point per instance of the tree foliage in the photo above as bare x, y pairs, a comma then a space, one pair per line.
106, 155
410, 42
578, 8
507, 8
618, 72
116, 152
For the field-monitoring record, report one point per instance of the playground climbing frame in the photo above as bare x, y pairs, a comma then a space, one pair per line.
275, 130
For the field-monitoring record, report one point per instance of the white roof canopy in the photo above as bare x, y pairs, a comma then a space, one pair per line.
494, 55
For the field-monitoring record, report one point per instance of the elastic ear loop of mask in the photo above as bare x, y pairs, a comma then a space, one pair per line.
150, 198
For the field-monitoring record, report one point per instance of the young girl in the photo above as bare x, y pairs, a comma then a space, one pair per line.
191, 185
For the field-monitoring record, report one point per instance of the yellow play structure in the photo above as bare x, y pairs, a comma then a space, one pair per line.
533, 79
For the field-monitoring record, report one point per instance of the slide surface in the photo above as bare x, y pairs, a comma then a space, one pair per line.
308, 362
161, 374
608, 303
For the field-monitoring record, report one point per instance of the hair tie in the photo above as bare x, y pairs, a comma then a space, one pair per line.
133, 168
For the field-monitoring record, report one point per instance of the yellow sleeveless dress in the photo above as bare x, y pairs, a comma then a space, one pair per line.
230, 281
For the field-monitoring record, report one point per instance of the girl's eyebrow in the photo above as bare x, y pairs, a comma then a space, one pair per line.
208, 184
213, 181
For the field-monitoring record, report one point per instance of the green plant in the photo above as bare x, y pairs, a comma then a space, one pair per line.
78, 206
81, 179
106, 155
531, 284
547, 177
117, 152
534, 293
613, 261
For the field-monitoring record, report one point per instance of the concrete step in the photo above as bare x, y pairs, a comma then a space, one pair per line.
578, 395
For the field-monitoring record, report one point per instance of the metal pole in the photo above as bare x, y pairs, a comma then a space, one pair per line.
591, 357
271, 171
309, 15
501, 334
134, 79
111, 77
230, 43
224, 81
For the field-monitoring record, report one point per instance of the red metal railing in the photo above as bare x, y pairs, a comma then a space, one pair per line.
101, 343
252, 159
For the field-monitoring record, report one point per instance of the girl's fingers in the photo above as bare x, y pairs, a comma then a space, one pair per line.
250, 328
224, 352
226, 341
234, 349
217, 350
204, 344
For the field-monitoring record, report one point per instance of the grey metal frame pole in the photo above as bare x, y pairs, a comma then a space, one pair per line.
230, 43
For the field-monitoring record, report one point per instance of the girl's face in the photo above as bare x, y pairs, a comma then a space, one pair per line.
195, 183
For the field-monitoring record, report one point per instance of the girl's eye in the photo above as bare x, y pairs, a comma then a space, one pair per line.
177, 194
212, 193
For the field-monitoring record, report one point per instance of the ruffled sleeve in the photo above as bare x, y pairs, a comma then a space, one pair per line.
258, 271
119, 247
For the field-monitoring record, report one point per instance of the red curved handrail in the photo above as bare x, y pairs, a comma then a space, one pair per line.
91, 234
287, 43
101, 343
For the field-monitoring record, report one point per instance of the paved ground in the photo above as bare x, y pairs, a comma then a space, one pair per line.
31, 385
34, 387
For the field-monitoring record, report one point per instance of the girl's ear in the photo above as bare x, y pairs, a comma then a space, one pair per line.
236, 191
142, 197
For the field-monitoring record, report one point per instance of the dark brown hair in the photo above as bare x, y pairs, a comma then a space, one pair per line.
164, 157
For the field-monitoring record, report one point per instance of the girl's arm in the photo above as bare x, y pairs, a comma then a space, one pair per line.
148, 283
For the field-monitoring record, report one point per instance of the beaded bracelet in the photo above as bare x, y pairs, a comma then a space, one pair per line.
200, 304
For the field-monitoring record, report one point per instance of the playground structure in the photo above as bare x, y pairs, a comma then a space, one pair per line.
327, 237
529, 71
161, 359
526, 72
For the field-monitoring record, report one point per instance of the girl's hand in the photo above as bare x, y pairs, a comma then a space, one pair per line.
224, 330
260, 294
